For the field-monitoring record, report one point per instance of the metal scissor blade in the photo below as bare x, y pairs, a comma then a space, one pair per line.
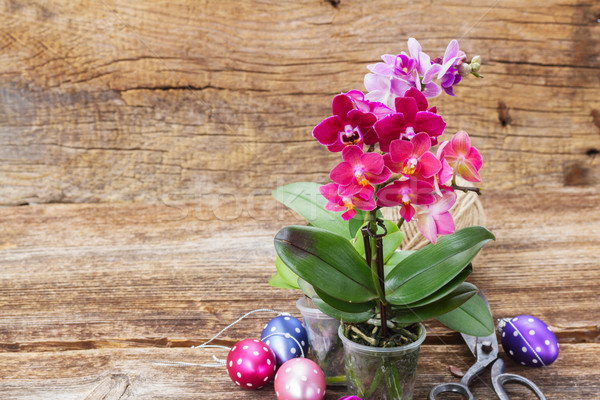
472, 341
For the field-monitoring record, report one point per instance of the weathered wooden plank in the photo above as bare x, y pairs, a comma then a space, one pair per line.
122, 101
132, 374
86, 276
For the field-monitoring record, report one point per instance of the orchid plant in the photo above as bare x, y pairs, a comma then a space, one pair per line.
386, 138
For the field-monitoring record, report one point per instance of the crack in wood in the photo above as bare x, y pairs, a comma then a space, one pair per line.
111, 388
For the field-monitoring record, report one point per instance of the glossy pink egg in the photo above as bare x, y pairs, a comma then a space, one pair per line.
251, 364
300, 379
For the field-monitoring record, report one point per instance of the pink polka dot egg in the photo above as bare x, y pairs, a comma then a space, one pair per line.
300, 379
251, 364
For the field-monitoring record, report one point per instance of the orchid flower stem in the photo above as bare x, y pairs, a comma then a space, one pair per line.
376, 274
467, 189
400, 222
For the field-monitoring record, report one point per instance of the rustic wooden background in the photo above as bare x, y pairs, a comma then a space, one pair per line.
139, 143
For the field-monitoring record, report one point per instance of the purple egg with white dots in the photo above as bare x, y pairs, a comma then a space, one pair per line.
528, 340
286, 336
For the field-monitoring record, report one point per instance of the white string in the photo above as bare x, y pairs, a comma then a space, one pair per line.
220, 362
287, 336
235, 322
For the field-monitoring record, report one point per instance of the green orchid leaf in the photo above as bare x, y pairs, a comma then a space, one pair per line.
395, 259
443, 292
306, 200
391, 241
327, 261
472, 318
456, 298
344, 305
286, 273
306, 288
278, 281
340, 315
430, 268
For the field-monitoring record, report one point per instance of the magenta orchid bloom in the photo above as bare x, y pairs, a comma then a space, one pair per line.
349, 398
448, 73
413, 158
361, 200
406, 193
464, 159
359, 171
412, 117
348, 126
376, 108
442, 177
435, 219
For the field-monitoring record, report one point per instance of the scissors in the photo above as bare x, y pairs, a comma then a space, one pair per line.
486, 351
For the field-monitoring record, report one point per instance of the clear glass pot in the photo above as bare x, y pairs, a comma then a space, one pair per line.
377, 373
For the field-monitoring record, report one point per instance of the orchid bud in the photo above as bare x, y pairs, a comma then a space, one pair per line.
475, 64
464, 69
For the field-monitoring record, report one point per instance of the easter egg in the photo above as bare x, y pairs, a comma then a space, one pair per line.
300, 379
251, 364
528, 340
278, 334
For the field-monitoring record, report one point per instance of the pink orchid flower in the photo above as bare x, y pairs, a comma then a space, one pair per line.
463, 158
359, 171
412, 117
406, 193
348, 126
435, 219
413, 158
361, 200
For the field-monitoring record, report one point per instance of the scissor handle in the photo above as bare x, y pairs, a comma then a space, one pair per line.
499, 378
451, 388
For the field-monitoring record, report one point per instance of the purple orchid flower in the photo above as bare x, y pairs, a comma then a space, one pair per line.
359, 171
412, 117
424, 68
435, 219
348, 126
335, 202
400, 66
448, 73
376, 108
384, 89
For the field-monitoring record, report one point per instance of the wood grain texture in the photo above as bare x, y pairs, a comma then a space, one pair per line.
134, 374
155, 101
86, 276
146, 137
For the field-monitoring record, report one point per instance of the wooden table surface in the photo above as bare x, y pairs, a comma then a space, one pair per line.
92, 295
139, 142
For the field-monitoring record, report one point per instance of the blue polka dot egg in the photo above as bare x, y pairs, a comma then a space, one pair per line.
528, 340
286, 336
